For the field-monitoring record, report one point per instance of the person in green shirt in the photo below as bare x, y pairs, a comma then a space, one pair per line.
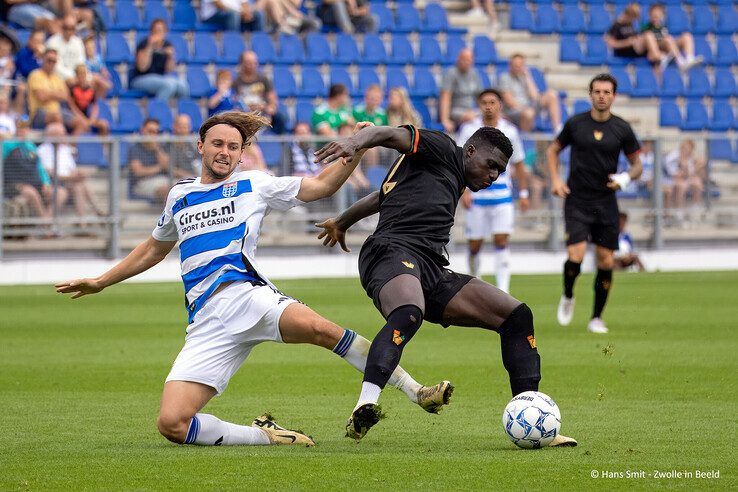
336, 111
371, 110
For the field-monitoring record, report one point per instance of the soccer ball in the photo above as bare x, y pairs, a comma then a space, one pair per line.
531, 420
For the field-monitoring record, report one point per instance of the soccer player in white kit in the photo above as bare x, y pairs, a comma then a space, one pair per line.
491, 212
231, 306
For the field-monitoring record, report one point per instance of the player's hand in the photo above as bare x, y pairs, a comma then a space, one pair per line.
466, 200
345, 147
559, 188
332, 234
360, 125
524, 204
80, 287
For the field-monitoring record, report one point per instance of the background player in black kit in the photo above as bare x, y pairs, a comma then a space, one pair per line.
402, 265
591, 208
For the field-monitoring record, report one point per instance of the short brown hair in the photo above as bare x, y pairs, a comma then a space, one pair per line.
604, 77
247, 124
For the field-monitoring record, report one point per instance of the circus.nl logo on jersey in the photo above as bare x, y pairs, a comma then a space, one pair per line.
230, 189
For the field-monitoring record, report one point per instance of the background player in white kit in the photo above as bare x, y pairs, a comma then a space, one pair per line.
231, 306
491, 211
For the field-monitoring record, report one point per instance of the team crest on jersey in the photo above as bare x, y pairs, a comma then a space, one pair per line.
230, 189
598, 135
408, 264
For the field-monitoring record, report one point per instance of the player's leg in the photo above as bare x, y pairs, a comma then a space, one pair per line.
577, 224
475, 247
502, 222
602, 284
475, 232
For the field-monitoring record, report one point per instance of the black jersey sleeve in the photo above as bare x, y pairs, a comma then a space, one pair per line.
430, 143
630, 142
564, 136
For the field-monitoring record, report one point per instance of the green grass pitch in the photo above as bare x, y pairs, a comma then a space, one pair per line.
80, 383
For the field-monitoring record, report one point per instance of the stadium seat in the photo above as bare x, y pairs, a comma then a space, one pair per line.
205, 50
581, 106
91, 154
347, 51
129, 117
645, 85
702, 48
407, 18
725, 85
318, 49
261, 44
597, 51
396, 78
625, 86
367, 77
570, 50
703, 21
104, 12
402, 51
159, 110
303, 112
181, 50
696, 118
424, 84
484, 50
386, 19
547, 20
375, 175
291, 50
104, 112
429, 51
720, 149
726, 51
426, 116
521, 19
117, 49
572, 20
599, 19
284, 82
727, 19
155, 10
722, 116
312, 83
184, 17
233, 46
273, 153
341, 76
538, 78
672, 84
669, 113
454, 44
192, 109
374, 51
198, 81
436, 20
127, 16
677, 20
699, 83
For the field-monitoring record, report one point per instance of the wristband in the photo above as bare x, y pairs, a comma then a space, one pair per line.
523, 194
622, 179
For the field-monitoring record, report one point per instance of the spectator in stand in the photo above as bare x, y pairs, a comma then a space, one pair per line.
69, 47
7, 59
302, 153
371, 109
480, 8
333, 113
149, 165
688, 175
186, 160
223, 97
30, 57
49, 100
29, 15
625, 40
522, 98
348, 15
85, 100
459, 88
400, 109
154, 69
7, 117
624, 256
233, 15
101, 79
680, 49
256, 92
252, 159
286, 16
58, 160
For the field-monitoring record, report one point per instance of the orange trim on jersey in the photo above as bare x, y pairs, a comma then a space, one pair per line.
415, 139
634, 153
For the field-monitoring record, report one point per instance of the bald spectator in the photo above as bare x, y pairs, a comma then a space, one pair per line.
256, 91
333, 113
459, 90
154, 69
70, 49
149, 165
522, 98
183, 155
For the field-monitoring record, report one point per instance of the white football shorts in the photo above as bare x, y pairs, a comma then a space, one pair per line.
225, 330
484, 221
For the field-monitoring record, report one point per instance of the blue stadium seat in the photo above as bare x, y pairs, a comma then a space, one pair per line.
192, 109
375, 175
407, 18
597, 51
159, 110
436, 20
367, 77
91, 154
261, 44
645, 85
570, 50
104, 12
521, 19
721, 149
181, 50
129, 117
696, 118
669, 113
677, 20
127, 16
699, 83
722, 116
184, 17
198, 82
396, 78
318, 49
703, 21
547, 20
117, 49
347, 51
484, 77
484, 50
155, 10
572, 20
672, 84
599, 19
386, 19
341, 76
725, 85
429, 52
426, 116
284, 82
273, 153
702, 48
727, 19
233, 46
374, 51
424, 83
402, 51
312, 84
581, 106
303, 112
454, 44
205, 49
625, 86
104, 112
291, 50
726, 51
538, 78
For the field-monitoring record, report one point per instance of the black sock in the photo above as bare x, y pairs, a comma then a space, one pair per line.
386, 350
519, 353
571, 272
602, 284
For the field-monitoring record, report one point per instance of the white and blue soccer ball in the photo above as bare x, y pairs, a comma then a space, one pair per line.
531, 420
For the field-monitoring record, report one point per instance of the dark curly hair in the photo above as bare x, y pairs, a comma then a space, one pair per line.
490, 137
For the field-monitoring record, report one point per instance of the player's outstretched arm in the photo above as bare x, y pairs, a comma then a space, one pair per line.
399, 139
334, 230
143, 257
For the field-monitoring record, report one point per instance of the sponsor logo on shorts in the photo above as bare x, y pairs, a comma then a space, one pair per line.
397, 337
598, 135
532, 341
408, 264
230, 189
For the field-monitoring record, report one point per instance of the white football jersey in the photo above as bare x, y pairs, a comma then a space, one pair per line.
501, 190
217, 226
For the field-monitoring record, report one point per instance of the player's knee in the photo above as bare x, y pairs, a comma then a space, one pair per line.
173, 427
520, 321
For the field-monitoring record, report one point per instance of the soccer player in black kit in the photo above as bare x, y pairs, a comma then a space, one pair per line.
590, 208
403, 266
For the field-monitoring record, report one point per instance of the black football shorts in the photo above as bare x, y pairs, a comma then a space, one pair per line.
596, 222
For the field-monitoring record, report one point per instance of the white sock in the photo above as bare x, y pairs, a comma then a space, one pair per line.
354, 349
473, 264
207, 430
502, 270
369, 394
